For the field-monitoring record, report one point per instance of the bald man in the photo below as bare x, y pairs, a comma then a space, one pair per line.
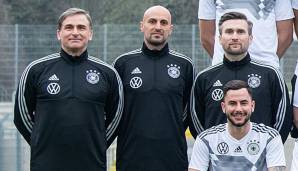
157, 83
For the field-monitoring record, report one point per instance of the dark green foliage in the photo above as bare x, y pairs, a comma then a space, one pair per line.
102, 11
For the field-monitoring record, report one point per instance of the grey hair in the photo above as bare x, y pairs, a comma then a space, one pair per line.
71, 12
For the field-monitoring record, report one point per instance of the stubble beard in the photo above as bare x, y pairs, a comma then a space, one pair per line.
239, 124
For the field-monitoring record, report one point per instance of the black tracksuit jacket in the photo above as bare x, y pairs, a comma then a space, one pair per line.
68, 109
157, 87
272, 104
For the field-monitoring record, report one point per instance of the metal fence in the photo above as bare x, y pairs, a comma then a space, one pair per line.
21, 44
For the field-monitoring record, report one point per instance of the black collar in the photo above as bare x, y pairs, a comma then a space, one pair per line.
155, 53
74, 59
237, 64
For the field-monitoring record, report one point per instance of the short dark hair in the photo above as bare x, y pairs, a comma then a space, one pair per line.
234, 16
71, 12
236, 85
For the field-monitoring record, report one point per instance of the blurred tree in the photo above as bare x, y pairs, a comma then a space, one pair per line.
102, 11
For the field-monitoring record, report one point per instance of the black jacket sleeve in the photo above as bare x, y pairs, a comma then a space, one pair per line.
294, 131
114, 107
197, 108
25, 101
281, 107
186, 94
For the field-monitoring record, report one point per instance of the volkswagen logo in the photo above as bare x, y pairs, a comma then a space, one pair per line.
217, 94
136, 82
223, 148
53, 88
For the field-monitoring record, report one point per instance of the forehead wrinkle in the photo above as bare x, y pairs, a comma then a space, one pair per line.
157, 12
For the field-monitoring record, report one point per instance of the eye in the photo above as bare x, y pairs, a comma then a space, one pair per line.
241, 31
82, 27
232, 103
164, 22
244, 103
68, 27
229, 31
152, 21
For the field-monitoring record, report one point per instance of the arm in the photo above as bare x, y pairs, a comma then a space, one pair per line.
197, 107
193, 170
294, 131
25, 105
275, 157
277, 168
200, 157
189, 75
207, 35
295, 115
285, 36
114, 107
281, 107
296, 21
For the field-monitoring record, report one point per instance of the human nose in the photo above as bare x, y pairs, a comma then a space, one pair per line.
238, 107
234, 35
157, 25
75, 31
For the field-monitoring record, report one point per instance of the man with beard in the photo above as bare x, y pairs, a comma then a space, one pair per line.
272, 19
238, 145
270, 91
157, 83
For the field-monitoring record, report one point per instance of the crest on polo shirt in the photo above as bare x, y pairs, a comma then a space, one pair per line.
92, 76
254, 80
253, 147
173, 70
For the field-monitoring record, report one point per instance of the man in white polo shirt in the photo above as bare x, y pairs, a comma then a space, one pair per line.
238, 145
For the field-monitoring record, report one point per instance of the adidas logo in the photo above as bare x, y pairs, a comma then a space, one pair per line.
238, 150
217, 84
136, 71
54, 78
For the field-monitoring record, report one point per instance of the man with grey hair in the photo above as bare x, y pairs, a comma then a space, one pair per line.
68, 104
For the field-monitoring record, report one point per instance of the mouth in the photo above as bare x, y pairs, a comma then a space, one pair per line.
234, 44
238, 114
75, 40
157, 33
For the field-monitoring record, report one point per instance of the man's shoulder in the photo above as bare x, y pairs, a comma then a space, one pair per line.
180, 56
263, 129
263, 66
128, 55
101, 64
213, 131
209, 71
41, 62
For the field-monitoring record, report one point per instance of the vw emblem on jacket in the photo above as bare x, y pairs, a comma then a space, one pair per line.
254, 80
223, 148
173, 70
136, 82
53, 88
92, 76
217, 94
